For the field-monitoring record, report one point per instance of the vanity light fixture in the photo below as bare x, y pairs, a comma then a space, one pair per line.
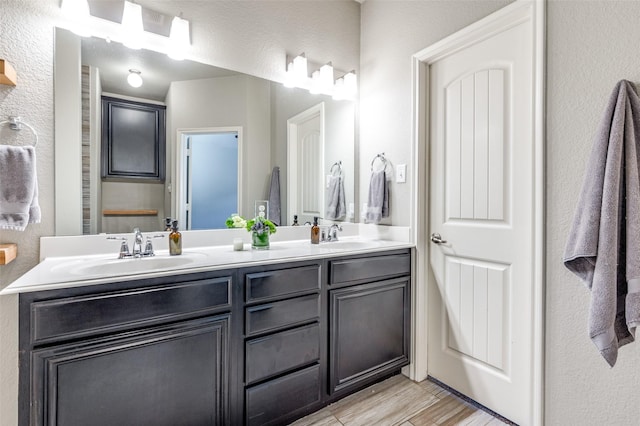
178, 38
132, 27
350, 85
78, 12
300, 75
134, 78
321, 81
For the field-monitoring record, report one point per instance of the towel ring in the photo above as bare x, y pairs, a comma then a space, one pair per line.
382, 159
16, 123
337, 164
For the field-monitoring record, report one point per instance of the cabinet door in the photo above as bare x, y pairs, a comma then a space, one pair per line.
133, 140
369, 332
170, 375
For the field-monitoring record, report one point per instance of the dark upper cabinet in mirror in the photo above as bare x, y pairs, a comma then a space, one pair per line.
133, 140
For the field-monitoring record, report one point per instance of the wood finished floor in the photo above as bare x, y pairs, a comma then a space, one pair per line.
400, 401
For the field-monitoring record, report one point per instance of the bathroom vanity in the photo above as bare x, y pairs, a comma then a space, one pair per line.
256, 342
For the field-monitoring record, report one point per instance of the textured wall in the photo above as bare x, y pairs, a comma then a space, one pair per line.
247, 36
591, 45
392, 31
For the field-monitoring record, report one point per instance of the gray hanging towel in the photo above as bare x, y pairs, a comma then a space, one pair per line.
336, 208
18, 187
274, 197
603, 248
378, 201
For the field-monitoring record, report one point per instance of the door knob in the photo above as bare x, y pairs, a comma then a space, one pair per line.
437, 239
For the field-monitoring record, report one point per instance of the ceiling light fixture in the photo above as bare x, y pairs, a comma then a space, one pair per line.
134, 78
132, 27
179, 39
78, 12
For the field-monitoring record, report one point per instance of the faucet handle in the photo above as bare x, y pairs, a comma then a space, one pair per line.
124, 250
148, 246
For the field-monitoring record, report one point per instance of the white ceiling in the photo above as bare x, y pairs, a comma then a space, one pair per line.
157, 70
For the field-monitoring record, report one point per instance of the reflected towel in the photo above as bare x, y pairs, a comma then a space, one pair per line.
336, 208
604, 242
378, 201
18, 187
274, 197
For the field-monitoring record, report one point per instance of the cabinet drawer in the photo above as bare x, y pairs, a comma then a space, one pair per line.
71, 317
280, 352
282, 282
272, 402
367, 268
276, 315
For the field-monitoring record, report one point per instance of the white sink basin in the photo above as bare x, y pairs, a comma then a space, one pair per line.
91, 267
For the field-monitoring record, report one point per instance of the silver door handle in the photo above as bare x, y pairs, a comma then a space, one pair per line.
437, 238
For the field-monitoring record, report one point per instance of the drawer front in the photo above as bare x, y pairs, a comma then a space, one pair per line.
280, 352
60, 319
369, 268
272, 402
282, 282
276, 315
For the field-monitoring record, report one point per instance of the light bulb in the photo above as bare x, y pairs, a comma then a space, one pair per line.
178, 38
78, 12
134, 79
132, 25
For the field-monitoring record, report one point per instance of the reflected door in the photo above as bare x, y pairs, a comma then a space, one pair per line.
305, 164
211, 179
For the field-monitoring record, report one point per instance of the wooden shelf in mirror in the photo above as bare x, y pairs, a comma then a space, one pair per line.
129, 212
8, 75
8, 252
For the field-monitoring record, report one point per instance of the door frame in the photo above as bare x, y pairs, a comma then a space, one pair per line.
502, 19
179, 181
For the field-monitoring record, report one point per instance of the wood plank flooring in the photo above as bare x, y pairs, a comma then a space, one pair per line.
402, 402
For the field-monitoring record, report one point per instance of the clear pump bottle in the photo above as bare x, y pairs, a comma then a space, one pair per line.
175, 240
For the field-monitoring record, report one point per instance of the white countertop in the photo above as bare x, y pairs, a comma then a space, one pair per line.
75, 271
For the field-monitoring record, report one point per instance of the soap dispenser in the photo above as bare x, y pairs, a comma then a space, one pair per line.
315, 232
175, 240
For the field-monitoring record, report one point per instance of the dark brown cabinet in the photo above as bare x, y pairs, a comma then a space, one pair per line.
284, 345
133, 140
369, 332
260, 345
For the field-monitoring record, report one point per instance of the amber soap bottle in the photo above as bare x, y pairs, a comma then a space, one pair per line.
175, 240
315, 232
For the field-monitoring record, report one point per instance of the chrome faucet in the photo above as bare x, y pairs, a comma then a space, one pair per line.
333, 232
137, 245
137, 242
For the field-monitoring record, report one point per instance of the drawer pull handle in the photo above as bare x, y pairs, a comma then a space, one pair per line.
261, 308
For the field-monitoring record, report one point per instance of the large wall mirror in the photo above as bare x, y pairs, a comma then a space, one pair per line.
267, 123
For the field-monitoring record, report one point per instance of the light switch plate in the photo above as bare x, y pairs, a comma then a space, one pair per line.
401, 173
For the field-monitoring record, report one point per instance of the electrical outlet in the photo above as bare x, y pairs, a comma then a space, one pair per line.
401, 173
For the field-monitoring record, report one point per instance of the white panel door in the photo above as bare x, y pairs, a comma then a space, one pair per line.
481, 204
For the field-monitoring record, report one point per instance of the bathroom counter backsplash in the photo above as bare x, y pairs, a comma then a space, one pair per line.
88, 260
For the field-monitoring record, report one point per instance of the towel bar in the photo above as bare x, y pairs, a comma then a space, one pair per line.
16, 123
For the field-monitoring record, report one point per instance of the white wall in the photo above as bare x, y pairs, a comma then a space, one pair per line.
591, 45
249, 36
392, 31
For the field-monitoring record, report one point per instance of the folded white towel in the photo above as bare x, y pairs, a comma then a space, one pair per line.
378, 202
18, 187
336, 208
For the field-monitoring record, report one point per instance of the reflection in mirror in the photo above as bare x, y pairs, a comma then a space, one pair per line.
202, 99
